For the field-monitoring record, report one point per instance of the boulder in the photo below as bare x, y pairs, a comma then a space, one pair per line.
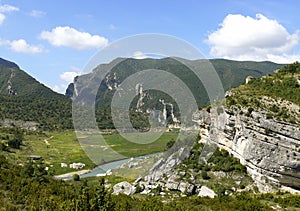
206, 192
172, 185
124, 187
185, 187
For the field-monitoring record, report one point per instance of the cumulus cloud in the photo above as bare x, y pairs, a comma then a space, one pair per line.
139, 55
68, 76
21, 46
61, 88
37, 13
246, 38
70, 37
6, 9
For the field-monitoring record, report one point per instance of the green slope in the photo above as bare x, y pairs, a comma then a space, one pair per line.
23, 84
30, 100
231, 73
281, 89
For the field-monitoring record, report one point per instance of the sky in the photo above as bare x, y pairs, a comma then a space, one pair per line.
53, 40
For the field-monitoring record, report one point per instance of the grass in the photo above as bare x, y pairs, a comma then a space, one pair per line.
106, 148
54, 148
58, 147
130, 149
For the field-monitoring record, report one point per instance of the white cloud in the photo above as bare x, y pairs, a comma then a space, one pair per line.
139, 55
68, 76
61, 88
246, 38
2, 18
8, 8
37, 13
21, 46
5, 9
70, 37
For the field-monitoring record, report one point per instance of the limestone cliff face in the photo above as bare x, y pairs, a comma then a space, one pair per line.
268, 147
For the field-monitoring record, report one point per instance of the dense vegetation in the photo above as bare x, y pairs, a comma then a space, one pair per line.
139, 120
11, 138
221, 160
29, 187
35, 102
234, 175
283, 85
49, 113
231, 73
31, 100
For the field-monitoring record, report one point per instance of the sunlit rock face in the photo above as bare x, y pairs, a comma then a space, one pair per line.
269, 148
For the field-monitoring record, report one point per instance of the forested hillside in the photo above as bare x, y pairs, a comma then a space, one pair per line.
24, 98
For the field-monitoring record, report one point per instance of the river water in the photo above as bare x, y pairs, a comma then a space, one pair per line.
101, 169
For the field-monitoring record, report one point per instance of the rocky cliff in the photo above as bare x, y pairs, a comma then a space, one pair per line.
268, 146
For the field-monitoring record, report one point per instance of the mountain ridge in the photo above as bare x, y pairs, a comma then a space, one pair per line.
222, 67
30, 94
231, 73
8, 63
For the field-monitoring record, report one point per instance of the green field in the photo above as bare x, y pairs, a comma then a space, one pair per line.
130, 149
106, 148
58, 147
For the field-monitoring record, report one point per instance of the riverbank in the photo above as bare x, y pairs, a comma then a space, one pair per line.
101, 169
69, 176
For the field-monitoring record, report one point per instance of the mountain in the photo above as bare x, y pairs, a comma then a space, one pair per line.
231, 74
14, 81
23, 98
262, 128
7, 63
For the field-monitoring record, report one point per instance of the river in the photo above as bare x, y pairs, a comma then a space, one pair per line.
101, 169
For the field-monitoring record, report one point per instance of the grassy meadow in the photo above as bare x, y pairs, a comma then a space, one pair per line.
58, 147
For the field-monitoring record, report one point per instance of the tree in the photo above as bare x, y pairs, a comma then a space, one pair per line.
17, 140
83, 200
102, 199
76, 177
170, 143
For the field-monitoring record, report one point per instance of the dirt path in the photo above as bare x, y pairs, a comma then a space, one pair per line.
67, 175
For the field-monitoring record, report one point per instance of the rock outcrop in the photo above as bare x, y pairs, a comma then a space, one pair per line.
268, 147
124, 188
25, 125
207, 192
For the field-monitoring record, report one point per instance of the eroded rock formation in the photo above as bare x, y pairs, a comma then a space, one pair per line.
268, 147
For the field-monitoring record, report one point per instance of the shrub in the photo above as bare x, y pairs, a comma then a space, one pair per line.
76, 177
204, 175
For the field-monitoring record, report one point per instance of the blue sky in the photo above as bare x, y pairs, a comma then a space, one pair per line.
53, 40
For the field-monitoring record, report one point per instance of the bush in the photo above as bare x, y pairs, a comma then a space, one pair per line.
170, 144
76, 177
204, 175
